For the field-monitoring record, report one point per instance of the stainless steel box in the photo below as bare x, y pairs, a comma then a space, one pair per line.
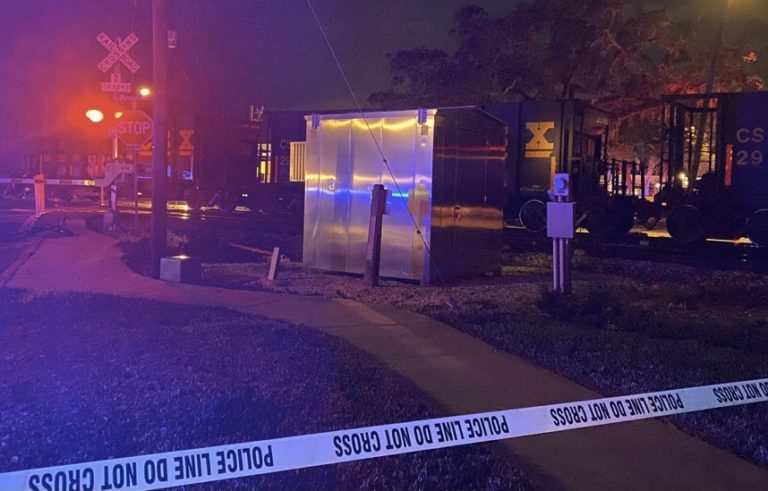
445, 171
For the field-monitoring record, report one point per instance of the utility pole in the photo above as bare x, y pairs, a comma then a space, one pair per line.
714, 60
159, 135
709, 86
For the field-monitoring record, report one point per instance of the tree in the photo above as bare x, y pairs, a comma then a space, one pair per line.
620, 56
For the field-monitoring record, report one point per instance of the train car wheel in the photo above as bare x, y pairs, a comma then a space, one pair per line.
61, 195
757, 227
194, 198
649, 213
625, 216
226, 201
686, 223
601, 221
533, 215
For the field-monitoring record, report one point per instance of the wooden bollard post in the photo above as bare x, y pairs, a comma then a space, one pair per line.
373, 251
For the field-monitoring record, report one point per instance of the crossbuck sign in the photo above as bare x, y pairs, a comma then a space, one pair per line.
118, 52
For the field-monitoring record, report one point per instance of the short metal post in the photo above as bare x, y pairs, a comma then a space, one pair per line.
113, 201
373, 251
567, 264
556, 265
39, 194
136, 190
561, 258
273, 264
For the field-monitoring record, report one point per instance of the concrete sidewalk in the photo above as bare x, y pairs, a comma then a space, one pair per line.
465, 374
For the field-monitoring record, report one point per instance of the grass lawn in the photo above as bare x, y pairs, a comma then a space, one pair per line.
86, 377
629, 327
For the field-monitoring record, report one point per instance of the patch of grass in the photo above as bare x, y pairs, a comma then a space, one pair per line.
560, 306
725, 289
597, 308
87, 377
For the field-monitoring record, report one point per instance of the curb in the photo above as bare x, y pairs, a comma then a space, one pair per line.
7, 275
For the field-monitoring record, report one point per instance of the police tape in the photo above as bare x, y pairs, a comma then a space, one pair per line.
185, 467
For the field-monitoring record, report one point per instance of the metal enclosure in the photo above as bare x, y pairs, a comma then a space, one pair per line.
445, 174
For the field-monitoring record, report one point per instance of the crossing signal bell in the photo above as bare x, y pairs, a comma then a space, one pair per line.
561, 184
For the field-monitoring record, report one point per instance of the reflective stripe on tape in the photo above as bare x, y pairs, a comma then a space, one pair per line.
184, 467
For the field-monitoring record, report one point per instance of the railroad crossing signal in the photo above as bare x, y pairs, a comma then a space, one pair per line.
118, 52
134, 128
561, 184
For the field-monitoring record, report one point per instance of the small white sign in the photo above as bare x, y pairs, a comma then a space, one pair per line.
115, 87
560, 220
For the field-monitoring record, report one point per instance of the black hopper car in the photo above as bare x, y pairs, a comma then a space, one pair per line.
713, 175
567, 136
711, 179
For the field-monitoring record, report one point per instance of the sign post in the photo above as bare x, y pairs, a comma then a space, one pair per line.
560, 227
159, 243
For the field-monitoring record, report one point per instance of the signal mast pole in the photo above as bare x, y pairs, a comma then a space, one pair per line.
159, 135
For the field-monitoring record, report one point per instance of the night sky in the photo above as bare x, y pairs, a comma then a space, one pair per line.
230, 53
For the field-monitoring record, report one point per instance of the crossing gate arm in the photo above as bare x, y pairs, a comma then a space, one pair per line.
71, 182
112, 172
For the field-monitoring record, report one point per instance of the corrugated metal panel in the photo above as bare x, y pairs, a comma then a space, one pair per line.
297, 158
343, 162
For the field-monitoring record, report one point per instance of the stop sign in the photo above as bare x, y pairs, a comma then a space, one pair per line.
134, 128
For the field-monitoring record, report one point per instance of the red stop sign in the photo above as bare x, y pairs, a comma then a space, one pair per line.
134, 128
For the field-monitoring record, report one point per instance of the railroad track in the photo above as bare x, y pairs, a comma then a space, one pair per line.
639, 246
635, 245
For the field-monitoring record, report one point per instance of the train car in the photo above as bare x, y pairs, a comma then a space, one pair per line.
565, 136
246, 163
235, 160
714, 175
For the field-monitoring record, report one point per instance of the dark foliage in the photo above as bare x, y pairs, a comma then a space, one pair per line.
598, 308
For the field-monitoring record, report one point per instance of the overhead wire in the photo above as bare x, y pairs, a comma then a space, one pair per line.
373, 137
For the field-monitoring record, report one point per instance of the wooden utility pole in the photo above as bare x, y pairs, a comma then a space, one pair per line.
159, 136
